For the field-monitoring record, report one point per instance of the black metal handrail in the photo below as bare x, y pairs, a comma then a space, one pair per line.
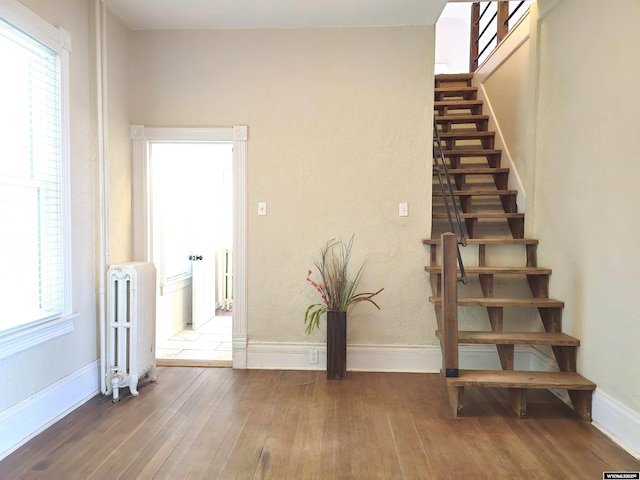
446, 189
511, 15
484, 10
486, 27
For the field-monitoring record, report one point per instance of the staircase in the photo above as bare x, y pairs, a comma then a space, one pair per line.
516, 298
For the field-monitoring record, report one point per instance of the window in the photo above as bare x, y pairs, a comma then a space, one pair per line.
34, 247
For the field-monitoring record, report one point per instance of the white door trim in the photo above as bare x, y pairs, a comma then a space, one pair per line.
140, 137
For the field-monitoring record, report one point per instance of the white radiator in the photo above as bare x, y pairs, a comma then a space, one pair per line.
131, 326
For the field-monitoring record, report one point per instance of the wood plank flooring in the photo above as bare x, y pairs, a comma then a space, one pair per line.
253, 424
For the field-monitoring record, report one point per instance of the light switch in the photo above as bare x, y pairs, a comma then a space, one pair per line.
262, 208
403, 209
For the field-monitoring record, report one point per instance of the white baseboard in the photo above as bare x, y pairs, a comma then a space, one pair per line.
23, 421
617, 421
620, 423
374, 358
239, 351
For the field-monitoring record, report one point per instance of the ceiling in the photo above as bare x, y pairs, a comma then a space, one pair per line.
239, 14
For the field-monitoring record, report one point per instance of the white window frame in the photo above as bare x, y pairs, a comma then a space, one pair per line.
23, 337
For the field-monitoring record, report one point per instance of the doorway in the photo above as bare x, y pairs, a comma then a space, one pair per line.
141, 138
191, 198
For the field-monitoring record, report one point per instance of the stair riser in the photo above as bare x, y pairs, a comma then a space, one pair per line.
453, 80
486, 282
456, 94
501, 179
481, 125
458, 159
484, 141
458, 109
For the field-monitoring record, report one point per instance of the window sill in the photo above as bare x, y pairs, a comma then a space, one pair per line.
16, 341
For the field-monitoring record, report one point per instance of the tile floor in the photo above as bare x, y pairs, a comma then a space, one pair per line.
211, 342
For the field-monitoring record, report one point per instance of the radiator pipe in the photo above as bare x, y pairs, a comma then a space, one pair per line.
103, 181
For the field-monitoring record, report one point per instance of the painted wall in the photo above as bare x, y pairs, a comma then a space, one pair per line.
507, 90
559, 98
119, 141
586, 191
25, 374
506, 87
339, 134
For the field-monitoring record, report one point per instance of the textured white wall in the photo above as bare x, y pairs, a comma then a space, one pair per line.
508, 91
24, 374
119, 141
561, 101
586, 192
339, 133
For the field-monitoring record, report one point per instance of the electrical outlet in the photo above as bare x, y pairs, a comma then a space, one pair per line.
313, 355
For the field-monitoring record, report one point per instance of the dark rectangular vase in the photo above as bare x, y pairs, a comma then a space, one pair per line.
336, 345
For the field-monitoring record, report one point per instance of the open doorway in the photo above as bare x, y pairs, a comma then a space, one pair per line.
452, 38
191, 198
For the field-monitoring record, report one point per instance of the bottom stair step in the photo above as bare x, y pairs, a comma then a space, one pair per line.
520, 379
517, 383
515, 338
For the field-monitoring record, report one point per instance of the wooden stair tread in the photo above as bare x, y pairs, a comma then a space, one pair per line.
486, 215
465, 134
480, 192
455, 89
503, 302
520, 379
488, 241
471, 152
457, 103
461, 118
478, 166
557, 339
495, 270
477, 171
443, 77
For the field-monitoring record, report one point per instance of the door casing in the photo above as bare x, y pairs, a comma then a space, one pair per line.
140, 137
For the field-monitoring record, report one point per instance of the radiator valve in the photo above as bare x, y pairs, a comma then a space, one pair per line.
116, 382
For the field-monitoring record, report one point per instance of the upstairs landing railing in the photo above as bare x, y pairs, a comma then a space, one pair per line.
490, 23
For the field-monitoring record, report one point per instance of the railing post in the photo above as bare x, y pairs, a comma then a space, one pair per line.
503, 17
473, 38
450, 304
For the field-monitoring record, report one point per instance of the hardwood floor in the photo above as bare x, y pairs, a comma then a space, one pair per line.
224, 423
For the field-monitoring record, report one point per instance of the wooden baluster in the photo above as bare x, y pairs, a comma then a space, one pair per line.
503, 15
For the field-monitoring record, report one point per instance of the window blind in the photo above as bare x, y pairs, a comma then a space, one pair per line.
31, 243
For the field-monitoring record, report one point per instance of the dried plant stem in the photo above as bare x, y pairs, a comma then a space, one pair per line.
337, 290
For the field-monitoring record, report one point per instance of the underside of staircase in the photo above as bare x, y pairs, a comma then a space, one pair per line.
516, 298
